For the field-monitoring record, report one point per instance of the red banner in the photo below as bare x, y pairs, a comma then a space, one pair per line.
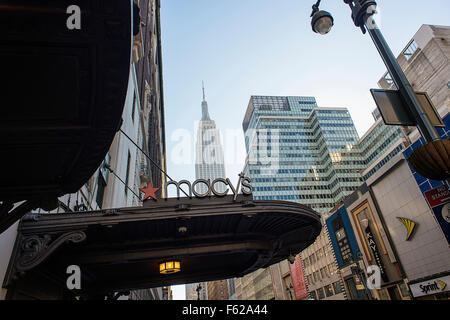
298, 280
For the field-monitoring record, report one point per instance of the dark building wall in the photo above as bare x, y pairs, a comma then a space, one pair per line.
149, 78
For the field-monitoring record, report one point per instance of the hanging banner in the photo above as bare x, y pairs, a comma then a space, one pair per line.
298, 280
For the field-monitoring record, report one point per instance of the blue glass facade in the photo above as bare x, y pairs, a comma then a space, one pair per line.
300, 152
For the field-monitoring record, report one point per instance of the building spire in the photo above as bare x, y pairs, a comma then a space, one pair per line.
205, 114
203, 88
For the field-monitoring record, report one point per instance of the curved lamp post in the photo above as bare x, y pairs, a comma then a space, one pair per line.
432, 160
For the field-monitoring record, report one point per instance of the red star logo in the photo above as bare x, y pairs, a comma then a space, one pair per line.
149, 192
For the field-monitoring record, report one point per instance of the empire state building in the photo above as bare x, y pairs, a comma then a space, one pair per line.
209, 165
209, 160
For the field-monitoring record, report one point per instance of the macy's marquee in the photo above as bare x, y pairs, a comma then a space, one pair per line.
242, 185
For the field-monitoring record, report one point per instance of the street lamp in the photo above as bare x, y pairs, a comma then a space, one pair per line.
322, 21
436, 150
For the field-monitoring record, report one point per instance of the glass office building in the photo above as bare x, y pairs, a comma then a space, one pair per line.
297, 152
300, 152
380, 144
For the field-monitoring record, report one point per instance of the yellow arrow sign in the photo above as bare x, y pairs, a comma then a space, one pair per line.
410, 226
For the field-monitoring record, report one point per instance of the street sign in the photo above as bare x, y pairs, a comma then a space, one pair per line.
395, 112
439, 202
428, 107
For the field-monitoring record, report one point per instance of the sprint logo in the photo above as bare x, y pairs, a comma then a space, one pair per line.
443, 285
410, 226
437, 285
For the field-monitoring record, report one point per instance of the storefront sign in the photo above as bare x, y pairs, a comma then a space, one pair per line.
376, 253
430, 287
243, 185
439, 202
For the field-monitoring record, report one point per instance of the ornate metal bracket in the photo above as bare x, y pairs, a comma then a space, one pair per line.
35, 249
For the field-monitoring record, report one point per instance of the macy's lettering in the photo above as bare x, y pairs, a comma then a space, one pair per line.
243, 183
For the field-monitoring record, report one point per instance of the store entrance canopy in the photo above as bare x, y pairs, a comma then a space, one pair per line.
209, 238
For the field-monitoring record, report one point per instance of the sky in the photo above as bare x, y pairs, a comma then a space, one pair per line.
241, 48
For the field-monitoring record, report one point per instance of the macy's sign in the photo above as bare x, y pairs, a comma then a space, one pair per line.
243, 185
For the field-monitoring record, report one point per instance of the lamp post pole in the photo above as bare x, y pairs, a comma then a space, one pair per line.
199, 288
362, 14
430, 160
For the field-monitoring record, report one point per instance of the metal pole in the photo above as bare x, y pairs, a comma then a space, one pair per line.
199, 287
405, 88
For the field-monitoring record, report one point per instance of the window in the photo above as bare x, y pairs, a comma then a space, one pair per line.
331, 268
383, 294
316, 276
313, 295
305, 262
312, 258
410, 50
404, 290
322, 273
319, 254
320, 293
337, 287
265, 107
388, 78
328, 290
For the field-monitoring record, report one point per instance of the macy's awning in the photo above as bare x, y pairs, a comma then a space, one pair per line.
121, 249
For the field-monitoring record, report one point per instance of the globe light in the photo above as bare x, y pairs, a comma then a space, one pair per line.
322, 22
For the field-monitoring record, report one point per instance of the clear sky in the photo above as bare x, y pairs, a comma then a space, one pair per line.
264, 47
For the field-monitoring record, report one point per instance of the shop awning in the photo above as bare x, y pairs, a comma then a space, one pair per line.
212, 238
